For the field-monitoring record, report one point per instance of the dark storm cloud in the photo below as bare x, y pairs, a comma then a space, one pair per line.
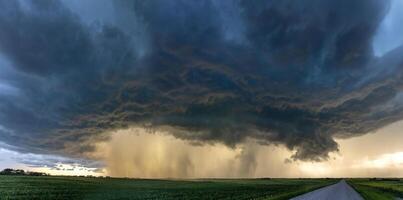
325, 33
287, 72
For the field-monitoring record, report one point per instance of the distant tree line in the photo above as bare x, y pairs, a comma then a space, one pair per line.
386, 179
17, 172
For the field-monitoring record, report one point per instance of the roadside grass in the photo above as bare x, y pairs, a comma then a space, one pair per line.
59, 187
378, 189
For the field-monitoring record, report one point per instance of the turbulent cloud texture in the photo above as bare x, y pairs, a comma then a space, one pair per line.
283, 72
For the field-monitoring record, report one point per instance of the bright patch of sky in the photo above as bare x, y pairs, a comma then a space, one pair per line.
7, 89
92, 11
390, 31
55, 165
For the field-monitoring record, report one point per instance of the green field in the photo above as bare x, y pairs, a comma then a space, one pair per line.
378, 189
53, 187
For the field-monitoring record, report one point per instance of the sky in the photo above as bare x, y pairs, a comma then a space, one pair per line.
195, 89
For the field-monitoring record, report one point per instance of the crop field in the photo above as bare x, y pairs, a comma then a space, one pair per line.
378, 189
58, 187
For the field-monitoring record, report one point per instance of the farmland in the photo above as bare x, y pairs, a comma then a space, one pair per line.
59, 187
378, 189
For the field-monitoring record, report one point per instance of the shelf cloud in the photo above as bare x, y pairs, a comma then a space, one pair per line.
298, 74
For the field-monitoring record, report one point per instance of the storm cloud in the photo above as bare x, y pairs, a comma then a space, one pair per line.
293, 73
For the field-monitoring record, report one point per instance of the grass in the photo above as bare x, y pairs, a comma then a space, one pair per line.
53, 187
378, 189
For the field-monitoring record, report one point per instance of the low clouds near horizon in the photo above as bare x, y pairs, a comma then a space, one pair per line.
292, 73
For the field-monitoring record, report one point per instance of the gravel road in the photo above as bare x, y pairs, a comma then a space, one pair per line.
338, 191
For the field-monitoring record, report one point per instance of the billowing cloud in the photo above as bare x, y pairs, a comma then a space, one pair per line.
290, 73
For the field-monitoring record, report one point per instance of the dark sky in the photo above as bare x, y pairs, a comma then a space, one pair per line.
296, 73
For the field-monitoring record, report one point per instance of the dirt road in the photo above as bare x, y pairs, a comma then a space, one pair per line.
338, 191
